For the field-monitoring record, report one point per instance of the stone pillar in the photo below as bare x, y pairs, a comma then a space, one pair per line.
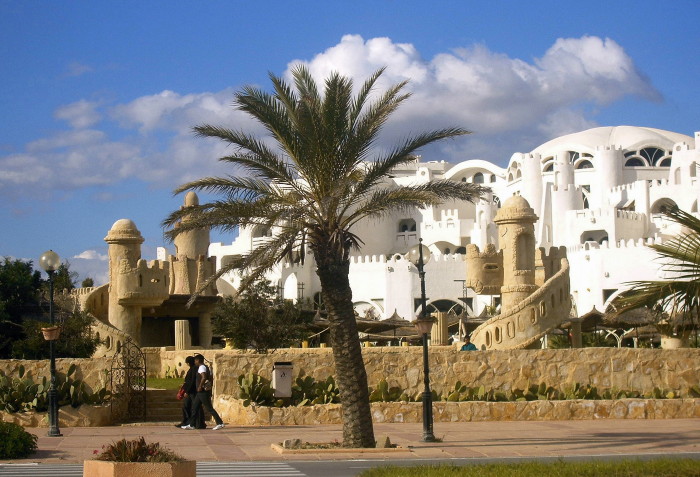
205, 333
439, 333
576, 337
183, 338
516, 231
124, 251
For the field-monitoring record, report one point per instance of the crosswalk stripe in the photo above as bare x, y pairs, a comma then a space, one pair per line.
204, 469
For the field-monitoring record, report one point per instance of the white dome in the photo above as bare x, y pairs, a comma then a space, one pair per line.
625, 137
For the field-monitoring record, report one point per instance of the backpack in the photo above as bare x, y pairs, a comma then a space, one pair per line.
208, 381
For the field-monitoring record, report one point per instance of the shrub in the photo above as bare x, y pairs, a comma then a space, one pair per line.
15, 442
137, 450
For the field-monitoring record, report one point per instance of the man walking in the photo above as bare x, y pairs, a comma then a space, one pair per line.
204, 386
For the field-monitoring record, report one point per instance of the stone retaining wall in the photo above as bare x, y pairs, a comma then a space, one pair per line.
628, 369
233, 412
93, 371
83, 416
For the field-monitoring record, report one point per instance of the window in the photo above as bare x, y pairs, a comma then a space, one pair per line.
634, 162
648, 156
407, 225
585, 164
549, 167
493, 177
478, 178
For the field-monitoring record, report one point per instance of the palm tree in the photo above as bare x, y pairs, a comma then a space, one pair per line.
681, 293
322, 176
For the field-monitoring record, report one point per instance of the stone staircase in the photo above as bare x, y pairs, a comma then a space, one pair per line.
162, 406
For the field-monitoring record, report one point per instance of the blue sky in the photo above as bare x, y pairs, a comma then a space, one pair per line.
98, 98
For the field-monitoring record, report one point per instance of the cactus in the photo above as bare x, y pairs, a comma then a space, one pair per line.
255, 389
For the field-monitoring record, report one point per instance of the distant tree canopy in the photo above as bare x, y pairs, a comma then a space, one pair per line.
20, 285
24, 298
258, 319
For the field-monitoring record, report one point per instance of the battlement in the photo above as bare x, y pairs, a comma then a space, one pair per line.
489, 251
608, 212
565, 189
684, 146
620, 244
146, 284
484, 269
623, 188
659, 182
608, 148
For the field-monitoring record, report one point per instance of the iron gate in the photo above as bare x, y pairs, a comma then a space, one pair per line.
128, 383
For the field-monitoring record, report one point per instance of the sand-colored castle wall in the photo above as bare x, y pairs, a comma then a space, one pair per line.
626, 368
93, 371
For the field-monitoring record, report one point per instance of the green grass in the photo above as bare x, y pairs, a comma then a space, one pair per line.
164, 383
628, 468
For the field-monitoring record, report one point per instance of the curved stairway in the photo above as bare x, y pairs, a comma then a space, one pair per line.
523, 325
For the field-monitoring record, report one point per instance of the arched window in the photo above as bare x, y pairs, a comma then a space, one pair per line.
549, 167
510, 177
464, 179
663, 205
635, 162
693, 169
665, 162
518, 174
497, 201
478, 178
493, 177
574, 156
585, 164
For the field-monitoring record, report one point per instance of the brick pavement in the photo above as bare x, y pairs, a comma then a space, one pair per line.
502, 439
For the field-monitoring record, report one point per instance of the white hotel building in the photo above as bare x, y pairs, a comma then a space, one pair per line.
598, 192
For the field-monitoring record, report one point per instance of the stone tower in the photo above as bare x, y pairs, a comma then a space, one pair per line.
516, 235
133, 284
194, 243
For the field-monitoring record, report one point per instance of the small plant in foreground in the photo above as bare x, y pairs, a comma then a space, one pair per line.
15, 442
137, 450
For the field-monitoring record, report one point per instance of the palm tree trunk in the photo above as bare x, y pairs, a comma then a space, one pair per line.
347, 353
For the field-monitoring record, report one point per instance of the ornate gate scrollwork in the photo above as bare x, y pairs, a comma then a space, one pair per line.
128, 383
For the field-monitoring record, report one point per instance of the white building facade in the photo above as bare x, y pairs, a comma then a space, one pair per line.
598, 192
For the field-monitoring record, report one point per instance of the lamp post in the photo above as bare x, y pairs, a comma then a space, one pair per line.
424, 323
50, 261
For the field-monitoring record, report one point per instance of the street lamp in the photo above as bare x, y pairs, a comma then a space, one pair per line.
424, 323
50, 261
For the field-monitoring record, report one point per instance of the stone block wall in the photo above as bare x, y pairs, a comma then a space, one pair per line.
93, 371
628, 369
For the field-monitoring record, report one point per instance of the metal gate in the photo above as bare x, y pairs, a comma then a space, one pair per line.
128, 383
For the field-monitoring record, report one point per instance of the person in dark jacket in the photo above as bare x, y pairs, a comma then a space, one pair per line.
190, 386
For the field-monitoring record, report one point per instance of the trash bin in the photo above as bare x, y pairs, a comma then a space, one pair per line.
282, 379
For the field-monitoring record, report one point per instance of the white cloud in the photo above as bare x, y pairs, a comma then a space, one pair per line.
80, 114
92, 255
76, 68
511, 105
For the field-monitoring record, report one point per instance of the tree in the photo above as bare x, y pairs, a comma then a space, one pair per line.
77, 339
19, 289
681, 293
87, 283
322, 177
257, 319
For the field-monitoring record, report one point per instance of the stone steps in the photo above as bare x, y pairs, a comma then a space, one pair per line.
161, 405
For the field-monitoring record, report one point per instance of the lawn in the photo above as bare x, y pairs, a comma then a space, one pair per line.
646, 468
164, 383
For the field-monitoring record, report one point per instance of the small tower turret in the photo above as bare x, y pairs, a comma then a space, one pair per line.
516, 233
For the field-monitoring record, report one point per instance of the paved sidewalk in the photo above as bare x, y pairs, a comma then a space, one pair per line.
503, 439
